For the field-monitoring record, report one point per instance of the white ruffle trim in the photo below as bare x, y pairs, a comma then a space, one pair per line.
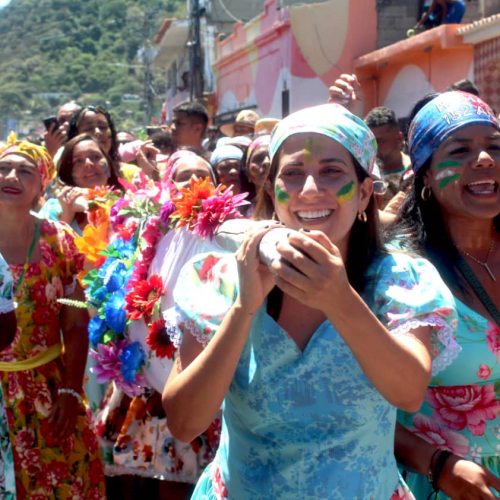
173, 318
120, 470
444, 334
7, 306
69, 289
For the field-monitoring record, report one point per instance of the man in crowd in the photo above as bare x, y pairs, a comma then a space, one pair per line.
189, 124
55, 137
243, 125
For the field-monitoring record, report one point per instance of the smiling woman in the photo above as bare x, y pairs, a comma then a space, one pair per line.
330, 341
451, 215
51, 430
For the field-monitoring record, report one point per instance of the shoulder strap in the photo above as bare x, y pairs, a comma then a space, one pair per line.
482, 294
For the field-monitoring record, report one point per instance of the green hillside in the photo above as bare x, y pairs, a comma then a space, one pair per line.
84, 49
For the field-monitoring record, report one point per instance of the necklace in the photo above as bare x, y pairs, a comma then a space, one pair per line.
485, 263
28, 257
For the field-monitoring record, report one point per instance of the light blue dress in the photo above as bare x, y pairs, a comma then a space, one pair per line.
305, 425
462, 405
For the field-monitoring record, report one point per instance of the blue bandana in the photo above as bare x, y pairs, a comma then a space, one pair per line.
331, 120
441, 117
223, 153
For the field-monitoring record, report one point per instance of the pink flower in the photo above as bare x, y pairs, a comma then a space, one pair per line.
109, 365
152, 233
457, 407
217, 209
220, 489
484, 372
492, 339
443, 439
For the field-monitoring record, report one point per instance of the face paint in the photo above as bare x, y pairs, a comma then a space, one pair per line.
445, 174
346, 193
448, 164
449, 180
281, 197
308, 150
105, 168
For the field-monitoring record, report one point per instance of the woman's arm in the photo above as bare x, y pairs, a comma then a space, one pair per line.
74, 326
200, 378
460, 479
399, 366
426, 15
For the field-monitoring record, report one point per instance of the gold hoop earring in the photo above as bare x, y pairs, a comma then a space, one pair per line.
362, 217
274, 216
426, 193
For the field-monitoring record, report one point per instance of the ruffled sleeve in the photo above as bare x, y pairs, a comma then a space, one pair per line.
205, 291
406, 293
6, 284
70, 259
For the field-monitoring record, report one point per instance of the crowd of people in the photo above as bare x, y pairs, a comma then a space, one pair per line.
360, 363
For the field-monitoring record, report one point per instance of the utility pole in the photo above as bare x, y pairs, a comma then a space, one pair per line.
195, 62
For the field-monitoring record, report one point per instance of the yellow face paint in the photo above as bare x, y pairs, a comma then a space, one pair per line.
281, 197
308, 150
346, 193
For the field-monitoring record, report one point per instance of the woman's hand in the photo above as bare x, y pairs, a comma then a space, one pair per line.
314, 272
67, 197
146, 159
395, 203
256, 280
347, 92
62, 420
465, 480
54, 138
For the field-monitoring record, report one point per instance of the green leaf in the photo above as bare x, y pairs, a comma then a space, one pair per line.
74, 303
109, 336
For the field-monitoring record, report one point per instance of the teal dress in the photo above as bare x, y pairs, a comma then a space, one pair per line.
7, 474
306, 424
462, 405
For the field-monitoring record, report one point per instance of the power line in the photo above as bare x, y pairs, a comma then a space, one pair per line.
224, 8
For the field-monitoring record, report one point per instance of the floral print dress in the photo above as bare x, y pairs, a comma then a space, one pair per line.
7, 477
307, 424
43, 468
462, 404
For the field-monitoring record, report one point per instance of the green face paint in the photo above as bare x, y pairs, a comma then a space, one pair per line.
308, 150
449, 180
346, 193
448, 164
281, 197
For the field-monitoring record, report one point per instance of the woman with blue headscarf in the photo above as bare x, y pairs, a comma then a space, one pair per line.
311, 359
452, 216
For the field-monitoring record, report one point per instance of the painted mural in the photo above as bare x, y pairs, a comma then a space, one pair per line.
297, 51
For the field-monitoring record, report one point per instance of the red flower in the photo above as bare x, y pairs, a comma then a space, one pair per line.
484, 372
46, 317
152, 233
159, 340
141, 300
96, 472
90, 440
126, 231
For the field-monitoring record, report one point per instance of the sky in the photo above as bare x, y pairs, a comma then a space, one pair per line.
3, 3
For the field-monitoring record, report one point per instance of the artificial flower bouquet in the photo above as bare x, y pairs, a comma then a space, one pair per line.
120, 245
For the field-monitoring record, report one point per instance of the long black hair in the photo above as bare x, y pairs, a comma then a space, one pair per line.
365, 243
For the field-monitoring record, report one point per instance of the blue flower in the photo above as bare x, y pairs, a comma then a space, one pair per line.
104, 268
115, 312
126, 249
115, 276
97, 297
97, 327
131, 359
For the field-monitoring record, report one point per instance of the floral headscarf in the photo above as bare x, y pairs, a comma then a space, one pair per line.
37, 154
442, 116
261, 140
330, 120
